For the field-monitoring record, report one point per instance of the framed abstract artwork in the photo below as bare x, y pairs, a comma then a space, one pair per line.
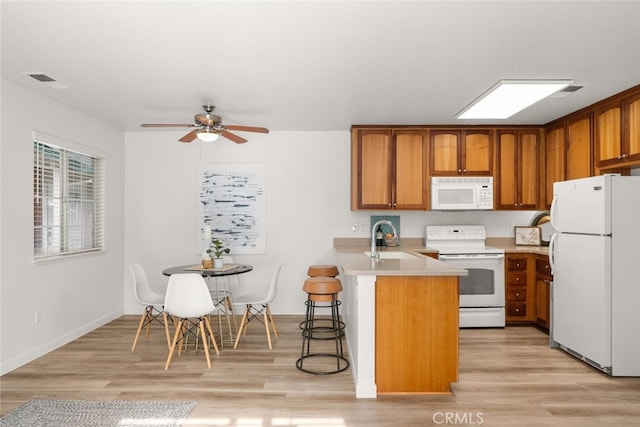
232, 203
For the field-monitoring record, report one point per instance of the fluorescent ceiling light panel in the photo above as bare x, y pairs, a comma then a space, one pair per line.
508, 97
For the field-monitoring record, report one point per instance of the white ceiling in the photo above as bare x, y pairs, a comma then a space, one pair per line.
315, 65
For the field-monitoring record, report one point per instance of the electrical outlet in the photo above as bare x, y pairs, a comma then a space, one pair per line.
510, 227
37, 317
355, 226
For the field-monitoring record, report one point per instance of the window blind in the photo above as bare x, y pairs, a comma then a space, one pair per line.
68, 202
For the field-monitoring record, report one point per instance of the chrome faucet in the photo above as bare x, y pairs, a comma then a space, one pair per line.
374, 253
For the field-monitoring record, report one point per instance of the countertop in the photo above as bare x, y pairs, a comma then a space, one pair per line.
508, 244
352, 258
354, 262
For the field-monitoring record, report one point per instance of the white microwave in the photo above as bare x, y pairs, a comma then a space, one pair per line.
462, 193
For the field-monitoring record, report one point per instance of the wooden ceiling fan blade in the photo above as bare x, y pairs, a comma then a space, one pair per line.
235, 138
247, 128
166, 125
189, 137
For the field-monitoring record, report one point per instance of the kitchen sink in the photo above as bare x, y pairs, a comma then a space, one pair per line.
393, 255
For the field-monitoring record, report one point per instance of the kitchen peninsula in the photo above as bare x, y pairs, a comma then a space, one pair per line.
401, 315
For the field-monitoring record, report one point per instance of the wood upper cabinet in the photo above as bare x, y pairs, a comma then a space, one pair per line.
461, 152
518, 168
618, 132
555, 160
568, 152
631, 128
579, 147
388, 169
608, 133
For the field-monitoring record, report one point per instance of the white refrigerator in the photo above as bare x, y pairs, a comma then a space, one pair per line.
595, 257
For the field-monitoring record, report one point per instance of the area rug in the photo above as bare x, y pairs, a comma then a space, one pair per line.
91, 413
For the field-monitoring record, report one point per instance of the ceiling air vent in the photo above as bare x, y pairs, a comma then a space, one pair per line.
48, 80
42, 77
566, 91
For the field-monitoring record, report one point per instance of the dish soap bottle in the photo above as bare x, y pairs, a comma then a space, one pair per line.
379, 237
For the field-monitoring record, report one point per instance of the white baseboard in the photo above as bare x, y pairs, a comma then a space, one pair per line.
9, 365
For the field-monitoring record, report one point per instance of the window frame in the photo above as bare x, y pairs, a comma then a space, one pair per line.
66, 167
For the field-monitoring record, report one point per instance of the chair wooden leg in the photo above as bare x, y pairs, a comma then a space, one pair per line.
149, 318
135, 340
233, 313
166, 328
213, 338
243, 327
173, 344
266, 326
273, 324
183, 326
204, 341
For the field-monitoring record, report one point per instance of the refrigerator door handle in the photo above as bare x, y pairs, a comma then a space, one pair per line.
552, 213
552, 244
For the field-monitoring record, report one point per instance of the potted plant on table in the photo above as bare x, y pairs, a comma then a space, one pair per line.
217, 250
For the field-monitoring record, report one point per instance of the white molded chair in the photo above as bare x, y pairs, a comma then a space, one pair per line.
152, 301
188, 298
257, 305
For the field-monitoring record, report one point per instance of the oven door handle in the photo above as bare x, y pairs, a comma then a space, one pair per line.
472, 257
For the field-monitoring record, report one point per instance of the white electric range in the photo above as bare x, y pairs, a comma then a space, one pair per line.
482, 291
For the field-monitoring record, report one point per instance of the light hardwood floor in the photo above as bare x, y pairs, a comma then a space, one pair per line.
508, 377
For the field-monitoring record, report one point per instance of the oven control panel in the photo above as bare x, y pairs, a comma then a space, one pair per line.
455, 232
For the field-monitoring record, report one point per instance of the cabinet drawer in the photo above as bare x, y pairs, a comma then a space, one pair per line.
516, 309
543, 267
517, 264
517, 293
517, 278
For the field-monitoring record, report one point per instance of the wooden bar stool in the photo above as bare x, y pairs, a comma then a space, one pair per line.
322, 271
322, 293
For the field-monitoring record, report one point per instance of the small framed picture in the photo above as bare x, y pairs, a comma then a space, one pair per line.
528, 236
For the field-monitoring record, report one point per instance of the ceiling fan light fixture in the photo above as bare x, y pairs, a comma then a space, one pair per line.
508, 97
207, 135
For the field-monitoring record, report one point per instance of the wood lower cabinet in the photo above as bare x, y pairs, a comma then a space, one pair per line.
389, 169
416, 334
517, 292
528, 289
544, 278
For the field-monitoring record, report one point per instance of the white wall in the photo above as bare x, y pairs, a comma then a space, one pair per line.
73, 296
307, 196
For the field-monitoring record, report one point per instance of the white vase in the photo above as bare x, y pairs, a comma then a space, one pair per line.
217, 263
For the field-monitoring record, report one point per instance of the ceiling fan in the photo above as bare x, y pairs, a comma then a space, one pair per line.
209, 127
